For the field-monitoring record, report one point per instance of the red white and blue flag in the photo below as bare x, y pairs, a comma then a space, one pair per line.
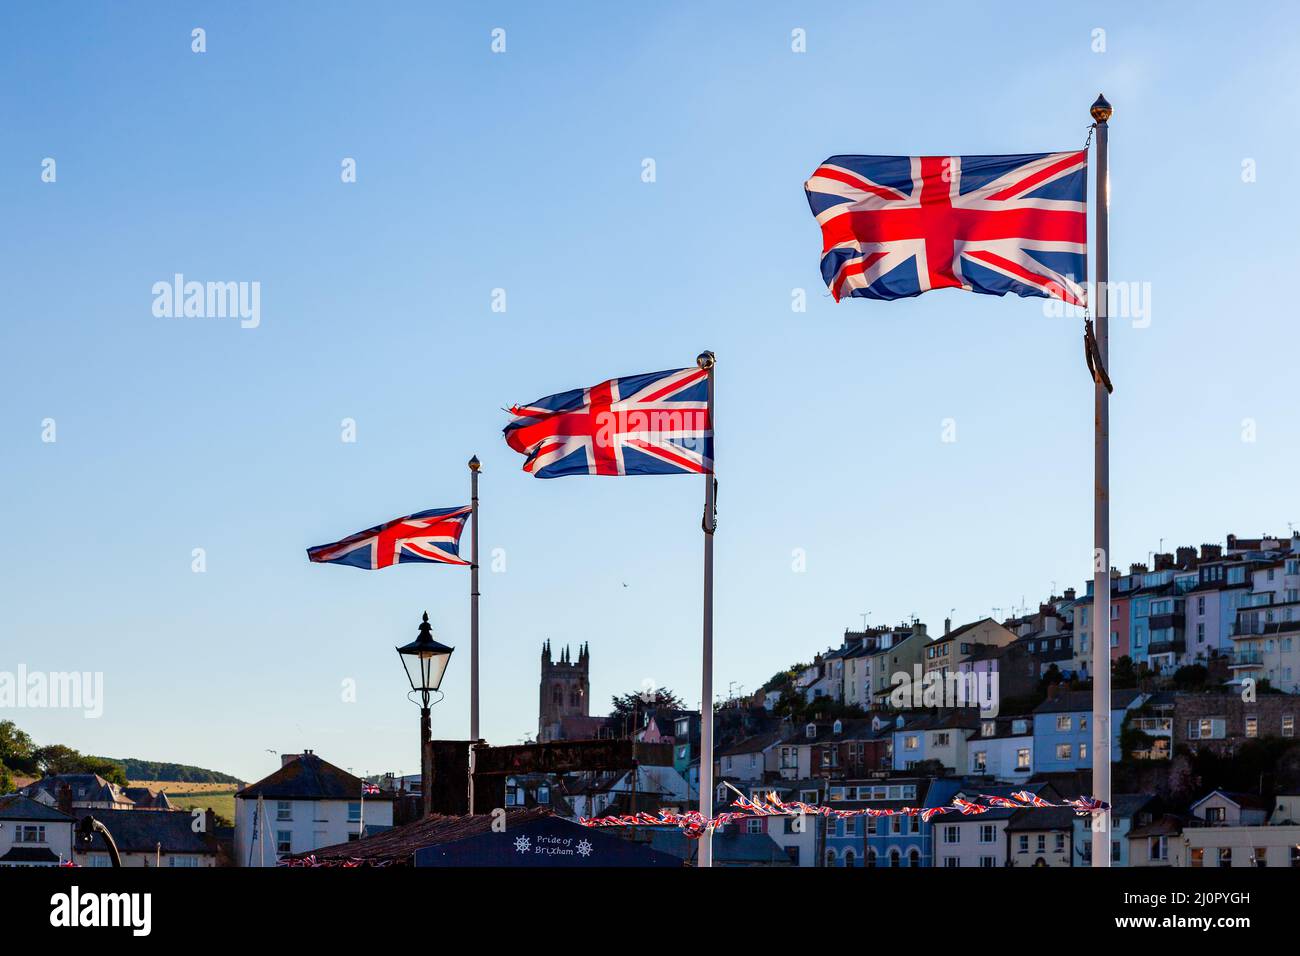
897, 226
655, 424
428, 537
368, 789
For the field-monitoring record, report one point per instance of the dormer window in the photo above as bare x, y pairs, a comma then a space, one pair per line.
989, 728
810, 731
838, 728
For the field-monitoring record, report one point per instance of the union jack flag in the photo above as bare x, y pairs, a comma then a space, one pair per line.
368, 789
427, 537
897, 226
655, 424
1032, 799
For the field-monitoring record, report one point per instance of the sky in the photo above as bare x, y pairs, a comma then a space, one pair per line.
522, 170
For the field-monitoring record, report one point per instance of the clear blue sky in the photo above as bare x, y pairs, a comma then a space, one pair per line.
523, 171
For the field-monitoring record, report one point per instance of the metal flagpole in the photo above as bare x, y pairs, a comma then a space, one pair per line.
1101, 733
707, 361
473, 623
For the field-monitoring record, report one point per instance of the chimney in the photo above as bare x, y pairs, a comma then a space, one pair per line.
1164, 562
64, 798
1069, 594
1212, 552
918, 628
1232, 542
1186, 558
286, 759
209, 822
947, 625
1138, 568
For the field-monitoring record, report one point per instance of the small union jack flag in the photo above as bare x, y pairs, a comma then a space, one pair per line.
428, 537
897, 226
1032, 799
655, 424
368, 789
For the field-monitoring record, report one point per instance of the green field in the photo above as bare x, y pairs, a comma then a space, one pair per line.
219, 796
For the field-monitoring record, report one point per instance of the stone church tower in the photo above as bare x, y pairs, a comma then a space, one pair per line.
565, 691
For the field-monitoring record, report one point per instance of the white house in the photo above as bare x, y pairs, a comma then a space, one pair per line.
980, 839
750, 758
33, 834
308, 803
1003, 748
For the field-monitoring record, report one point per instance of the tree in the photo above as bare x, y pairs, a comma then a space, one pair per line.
59, 759
16, 749
1191, 677
641, 702
1123, 674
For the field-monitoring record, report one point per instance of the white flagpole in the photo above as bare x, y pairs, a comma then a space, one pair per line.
473, 623
707, 361
1101, 733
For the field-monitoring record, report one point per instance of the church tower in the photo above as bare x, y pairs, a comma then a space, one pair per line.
565, 690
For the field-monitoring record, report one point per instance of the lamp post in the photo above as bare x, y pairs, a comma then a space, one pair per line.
425, 661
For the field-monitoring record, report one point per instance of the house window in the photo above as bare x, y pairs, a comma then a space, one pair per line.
1022, 758
99, 859
1206, 728
1063, 723
951, 834
988, 833
895, 858
283, 810
182, 860
1288, 725
1158, 848
1064, 751
1252, 726
1225, 856
914, 857
1197, 858
980, 761
1083, 751
951, 861
1060, 843
754, 825
354, 811
911, 743
1042, 843
850, 858
1295, 855
283, 841
939, 740
29, 833
988, 862
989, 728
1214, 815
1024, 843
1261, 856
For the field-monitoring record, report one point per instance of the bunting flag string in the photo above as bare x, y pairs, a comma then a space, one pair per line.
693, 823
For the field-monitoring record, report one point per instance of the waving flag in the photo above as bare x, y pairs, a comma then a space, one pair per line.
655, 424
368, 789
429, 537
897, 226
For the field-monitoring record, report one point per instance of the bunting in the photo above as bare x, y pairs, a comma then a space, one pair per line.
693, 824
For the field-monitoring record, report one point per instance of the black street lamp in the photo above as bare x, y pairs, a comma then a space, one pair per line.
425, 661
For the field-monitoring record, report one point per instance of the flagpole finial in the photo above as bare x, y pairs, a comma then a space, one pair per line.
474, 464
1101, 110
706, 360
